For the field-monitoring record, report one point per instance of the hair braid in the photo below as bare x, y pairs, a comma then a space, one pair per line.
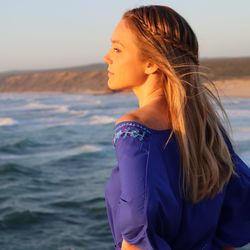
169, 41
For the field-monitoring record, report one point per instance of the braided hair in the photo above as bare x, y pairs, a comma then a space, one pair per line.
169, 31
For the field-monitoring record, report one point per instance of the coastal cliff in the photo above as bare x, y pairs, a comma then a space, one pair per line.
90, 78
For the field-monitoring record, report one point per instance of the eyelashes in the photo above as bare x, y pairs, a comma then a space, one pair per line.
116, 50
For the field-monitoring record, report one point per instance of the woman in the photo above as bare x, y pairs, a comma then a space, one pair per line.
178, 183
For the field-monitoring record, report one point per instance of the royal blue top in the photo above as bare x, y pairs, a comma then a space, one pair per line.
145, 205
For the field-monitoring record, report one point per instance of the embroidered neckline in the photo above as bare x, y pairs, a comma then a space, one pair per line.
132, 129
140, 125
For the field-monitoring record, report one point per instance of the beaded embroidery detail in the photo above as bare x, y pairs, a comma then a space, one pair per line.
139, 132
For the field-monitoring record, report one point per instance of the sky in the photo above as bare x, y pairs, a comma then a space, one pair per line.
50, 34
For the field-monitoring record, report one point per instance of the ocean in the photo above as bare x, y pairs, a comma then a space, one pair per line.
56, 154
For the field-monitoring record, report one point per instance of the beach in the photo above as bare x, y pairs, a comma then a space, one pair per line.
227, 88
234, 87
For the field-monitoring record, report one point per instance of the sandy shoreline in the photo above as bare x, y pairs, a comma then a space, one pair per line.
228, 88
234, 88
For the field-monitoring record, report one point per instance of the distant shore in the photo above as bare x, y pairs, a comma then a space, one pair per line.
230, 75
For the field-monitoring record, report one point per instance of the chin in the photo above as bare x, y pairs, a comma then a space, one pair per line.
119, 86
114, 86
111, 86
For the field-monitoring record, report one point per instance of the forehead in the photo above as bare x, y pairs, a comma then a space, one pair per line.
123, 34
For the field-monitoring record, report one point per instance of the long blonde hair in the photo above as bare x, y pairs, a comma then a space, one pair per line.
164, 37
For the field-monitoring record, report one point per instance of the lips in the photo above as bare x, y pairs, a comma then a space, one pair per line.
110, 73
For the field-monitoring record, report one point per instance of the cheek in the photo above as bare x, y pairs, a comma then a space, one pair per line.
128, 72
135, 74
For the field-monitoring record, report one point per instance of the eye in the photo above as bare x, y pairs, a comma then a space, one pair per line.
116, 50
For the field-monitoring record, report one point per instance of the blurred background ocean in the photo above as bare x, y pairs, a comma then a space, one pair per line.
56, 154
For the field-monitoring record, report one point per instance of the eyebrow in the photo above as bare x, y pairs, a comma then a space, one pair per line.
117, 41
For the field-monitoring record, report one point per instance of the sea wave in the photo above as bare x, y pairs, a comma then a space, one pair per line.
15, 218
20, 147
7, 121
9, 168
101, 119
16, 152
12, 169
241, 134
55, 108
40, 106
87, 148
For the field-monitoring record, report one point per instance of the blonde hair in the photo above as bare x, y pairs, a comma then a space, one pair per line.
164, 37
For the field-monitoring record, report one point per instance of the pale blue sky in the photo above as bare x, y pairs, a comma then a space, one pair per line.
60, 33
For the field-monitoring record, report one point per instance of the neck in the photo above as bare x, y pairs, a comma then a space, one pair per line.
150, 92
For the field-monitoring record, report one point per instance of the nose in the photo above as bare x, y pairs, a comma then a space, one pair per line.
107, 59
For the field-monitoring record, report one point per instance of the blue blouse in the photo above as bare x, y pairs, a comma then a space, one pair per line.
144, 202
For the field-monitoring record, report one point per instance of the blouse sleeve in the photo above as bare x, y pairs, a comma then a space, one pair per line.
234, 224
132, 150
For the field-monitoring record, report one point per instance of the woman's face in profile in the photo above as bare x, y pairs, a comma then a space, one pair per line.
125, 67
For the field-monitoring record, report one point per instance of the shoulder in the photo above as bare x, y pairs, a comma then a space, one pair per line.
129, 129
130, 117
147, 118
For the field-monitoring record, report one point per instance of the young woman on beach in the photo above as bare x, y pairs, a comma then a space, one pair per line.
178, 183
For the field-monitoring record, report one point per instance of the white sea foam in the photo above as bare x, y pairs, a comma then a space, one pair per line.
241, 133
245, 156
230, 100
78, 112
35, 105
238, 112
55, 108
244, 129
55, 155
81, 97
87, 148
7, 121
101, 119
52, 122
65, 109
61, 109
38, 105
43, 157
